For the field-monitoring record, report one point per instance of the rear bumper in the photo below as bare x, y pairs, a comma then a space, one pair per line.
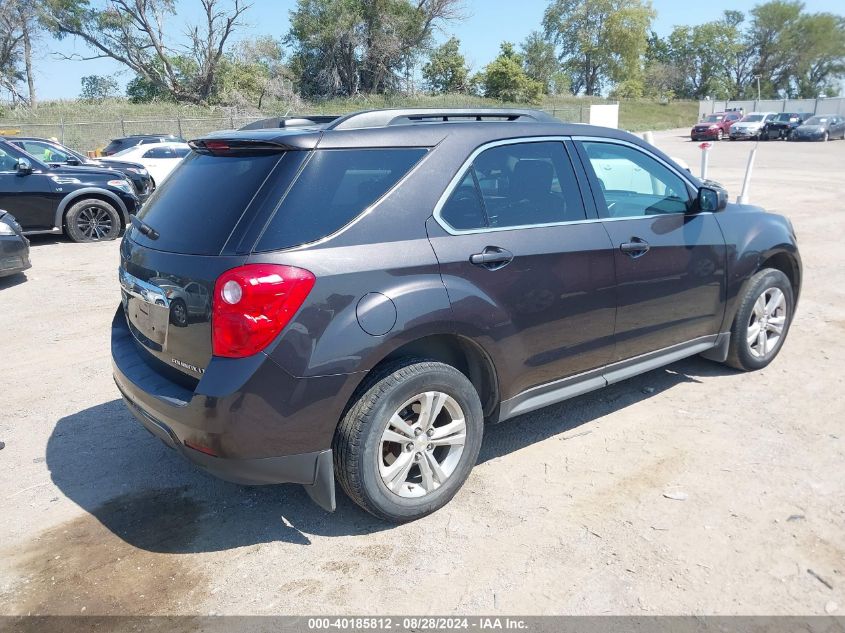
14, 255
240, 437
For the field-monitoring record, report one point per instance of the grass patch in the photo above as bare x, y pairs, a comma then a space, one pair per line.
86, 126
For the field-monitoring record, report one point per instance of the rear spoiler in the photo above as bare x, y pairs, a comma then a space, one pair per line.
311, 120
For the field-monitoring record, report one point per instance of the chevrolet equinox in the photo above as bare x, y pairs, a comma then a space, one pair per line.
352, 299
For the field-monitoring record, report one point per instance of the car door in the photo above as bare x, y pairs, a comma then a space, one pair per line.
31, 197
670, 261
528, 268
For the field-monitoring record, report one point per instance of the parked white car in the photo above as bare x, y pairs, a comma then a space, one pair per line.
750, 125
159, 158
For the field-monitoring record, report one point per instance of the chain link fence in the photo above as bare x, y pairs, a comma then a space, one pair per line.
89, 136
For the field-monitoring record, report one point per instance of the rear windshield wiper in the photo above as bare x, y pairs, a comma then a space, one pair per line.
144, 228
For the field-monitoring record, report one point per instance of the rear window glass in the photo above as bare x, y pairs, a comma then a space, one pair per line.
335, 186
196, 208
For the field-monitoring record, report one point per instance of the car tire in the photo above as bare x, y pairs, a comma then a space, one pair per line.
179, 313
92, 220
768, 304
368, 445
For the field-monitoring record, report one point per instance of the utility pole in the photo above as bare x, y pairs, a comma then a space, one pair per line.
757, 77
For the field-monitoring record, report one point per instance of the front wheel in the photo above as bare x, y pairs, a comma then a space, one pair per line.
409, 441
762, 321
92, 220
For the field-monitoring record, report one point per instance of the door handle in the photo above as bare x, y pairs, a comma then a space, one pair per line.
491, 258
637, 247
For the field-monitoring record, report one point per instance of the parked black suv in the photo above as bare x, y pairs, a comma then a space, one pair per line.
57, 155
125, 142
380, 286
86, 203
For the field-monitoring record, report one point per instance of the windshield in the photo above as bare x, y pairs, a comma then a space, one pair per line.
713, 118
816, 120
752, 118
785, 117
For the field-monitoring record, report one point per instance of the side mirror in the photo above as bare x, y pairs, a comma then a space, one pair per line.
23, 167
73, 162
711, 198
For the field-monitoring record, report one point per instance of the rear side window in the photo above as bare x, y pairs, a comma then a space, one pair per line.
335, 186
162, 152
520, 185
198, 206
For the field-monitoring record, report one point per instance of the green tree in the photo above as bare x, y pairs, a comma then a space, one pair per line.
540, 62
136, 34
446, 70
821, 56
600, 41
773, 38
97, 88
505, 79
343, 47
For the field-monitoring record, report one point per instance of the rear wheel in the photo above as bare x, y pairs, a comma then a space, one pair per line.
409, 441
762, 321
92, 220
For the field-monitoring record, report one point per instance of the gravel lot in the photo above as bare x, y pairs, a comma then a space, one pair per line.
566, 512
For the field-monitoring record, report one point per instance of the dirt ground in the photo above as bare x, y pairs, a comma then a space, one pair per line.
566, 512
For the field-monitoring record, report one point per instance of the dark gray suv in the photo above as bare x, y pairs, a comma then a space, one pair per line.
369, 291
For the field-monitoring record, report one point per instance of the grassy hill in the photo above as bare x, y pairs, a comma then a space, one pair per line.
87, 126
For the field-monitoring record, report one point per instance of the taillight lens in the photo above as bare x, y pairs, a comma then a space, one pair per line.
252, 304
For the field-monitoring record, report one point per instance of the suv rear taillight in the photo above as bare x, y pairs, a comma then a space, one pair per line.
252, 304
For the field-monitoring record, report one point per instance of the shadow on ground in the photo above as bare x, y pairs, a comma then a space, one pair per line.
12, 280
151, 498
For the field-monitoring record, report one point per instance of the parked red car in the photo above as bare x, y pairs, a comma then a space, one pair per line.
715, 126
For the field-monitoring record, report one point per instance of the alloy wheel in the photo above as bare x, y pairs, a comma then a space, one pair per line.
422, 444
94, 222
767, 322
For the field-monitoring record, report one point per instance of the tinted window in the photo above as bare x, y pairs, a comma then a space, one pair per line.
816, 120
463, 210
117, 145
335, 186
714, 118
161, 152
635, 184
528, 183
181, 152
197, 207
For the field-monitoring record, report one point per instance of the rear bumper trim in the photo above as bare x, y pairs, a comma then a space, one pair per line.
314, 470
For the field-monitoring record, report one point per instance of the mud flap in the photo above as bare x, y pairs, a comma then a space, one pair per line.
322, 491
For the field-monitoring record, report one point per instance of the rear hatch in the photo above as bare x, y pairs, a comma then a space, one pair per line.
228, 199
201, 222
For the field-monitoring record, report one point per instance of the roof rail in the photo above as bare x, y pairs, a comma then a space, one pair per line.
405, 116
308, 120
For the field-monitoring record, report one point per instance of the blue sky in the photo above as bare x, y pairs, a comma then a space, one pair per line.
487, 24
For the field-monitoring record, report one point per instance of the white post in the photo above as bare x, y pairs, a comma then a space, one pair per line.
746, 182
648, 137
705, 159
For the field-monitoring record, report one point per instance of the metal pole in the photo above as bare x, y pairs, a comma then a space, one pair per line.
123, 127
179, 125
746, 182
62, 129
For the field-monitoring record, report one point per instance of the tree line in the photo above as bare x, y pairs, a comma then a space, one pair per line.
341, 48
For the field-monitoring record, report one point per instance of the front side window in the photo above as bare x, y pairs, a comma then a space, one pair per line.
635, 184
45, 152
516, 185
